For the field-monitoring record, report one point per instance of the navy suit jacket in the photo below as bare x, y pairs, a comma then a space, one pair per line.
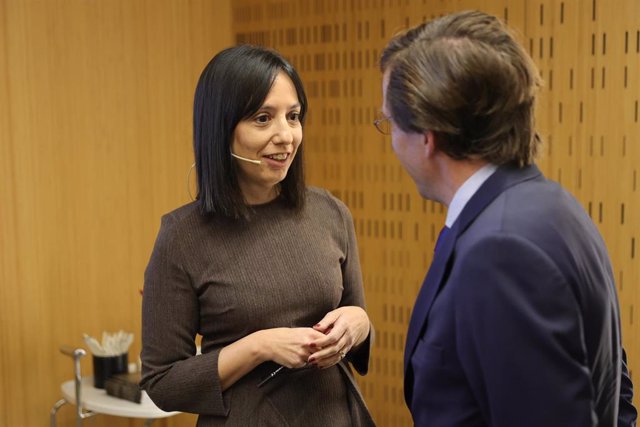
517, 322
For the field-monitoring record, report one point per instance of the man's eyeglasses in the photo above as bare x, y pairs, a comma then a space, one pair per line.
383, 124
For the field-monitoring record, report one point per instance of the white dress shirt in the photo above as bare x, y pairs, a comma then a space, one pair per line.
466, 191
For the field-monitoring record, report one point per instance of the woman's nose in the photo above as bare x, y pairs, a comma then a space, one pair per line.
283, 133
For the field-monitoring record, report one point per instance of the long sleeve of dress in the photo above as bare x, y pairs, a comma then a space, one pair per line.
173, 376
353, 290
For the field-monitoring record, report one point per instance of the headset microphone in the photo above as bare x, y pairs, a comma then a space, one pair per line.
255, 162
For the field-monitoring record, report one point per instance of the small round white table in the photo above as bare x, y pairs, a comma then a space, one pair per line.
98, 401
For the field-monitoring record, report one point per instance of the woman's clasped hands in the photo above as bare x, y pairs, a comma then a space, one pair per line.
323, 345
342, 330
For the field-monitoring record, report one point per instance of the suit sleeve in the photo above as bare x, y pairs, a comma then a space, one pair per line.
173, 376
627, 414
353, 293
519, 336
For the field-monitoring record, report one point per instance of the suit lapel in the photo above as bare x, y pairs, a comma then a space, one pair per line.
502, 179
428, 291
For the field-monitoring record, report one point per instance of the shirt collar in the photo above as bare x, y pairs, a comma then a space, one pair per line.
466, 191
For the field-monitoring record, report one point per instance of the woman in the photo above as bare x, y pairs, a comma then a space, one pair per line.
265, 269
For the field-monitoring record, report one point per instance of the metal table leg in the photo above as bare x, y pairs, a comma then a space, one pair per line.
54, 411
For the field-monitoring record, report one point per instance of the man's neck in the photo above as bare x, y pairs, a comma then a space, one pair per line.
455, 173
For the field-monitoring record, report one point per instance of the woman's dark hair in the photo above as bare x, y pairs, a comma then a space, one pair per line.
232, 87
465, 77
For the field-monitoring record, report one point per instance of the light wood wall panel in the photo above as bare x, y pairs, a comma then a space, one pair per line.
95, 144
588, 52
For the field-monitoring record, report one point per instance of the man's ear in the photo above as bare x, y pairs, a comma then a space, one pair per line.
430, 143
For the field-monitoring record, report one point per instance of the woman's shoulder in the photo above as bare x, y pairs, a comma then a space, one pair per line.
185, 216
322, 199
183, 212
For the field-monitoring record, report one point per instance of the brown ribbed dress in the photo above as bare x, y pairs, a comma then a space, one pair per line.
226, 279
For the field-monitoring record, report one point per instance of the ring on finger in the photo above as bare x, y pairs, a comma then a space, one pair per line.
342, 354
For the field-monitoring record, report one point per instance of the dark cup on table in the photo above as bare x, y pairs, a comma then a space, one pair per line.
106, 366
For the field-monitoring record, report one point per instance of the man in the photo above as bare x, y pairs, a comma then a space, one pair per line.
517, 322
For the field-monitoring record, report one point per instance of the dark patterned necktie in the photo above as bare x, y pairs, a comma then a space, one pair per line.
441, 236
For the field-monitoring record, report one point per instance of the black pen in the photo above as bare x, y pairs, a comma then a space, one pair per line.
270, 376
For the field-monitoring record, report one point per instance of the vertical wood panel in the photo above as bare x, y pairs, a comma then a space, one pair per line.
8, 259
95, 144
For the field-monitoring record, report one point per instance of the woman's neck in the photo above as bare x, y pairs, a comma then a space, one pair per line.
259, 195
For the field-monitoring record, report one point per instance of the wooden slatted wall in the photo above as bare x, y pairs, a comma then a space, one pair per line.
588, 53
95, 145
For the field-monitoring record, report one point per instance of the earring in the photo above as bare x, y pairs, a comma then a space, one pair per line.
188, 181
